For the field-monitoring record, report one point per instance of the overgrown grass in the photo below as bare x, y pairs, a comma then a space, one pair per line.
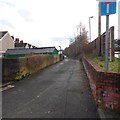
114, 66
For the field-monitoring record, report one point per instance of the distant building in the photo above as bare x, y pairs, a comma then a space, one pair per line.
117, 48
14, 53
117, 45
6, 42
20, 44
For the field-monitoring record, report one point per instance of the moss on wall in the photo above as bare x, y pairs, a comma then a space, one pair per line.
18, 68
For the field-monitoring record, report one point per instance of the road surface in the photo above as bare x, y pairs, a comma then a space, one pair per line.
59, 91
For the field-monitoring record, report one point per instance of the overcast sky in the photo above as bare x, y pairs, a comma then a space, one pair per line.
50, 22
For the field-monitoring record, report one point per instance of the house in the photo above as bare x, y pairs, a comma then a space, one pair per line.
14, 53
117, 48
6, 41
20, 44
117, 45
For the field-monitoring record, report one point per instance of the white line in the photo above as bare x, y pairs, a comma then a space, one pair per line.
108, 8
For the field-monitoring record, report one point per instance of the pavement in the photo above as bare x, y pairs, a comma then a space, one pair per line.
59, 91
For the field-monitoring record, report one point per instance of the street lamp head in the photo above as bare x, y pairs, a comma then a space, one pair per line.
92, 17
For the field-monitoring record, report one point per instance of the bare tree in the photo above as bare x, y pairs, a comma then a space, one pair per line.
75, 47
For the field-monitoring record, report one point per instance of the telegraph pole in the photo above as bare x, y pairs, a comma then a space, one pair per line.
119, 34
99, 28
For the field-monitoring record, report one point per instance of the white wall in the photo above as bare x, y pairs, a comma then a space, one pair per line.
6, 42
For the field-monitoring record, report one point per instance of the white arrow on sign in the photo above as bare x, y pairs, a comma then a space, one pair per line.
108, 3
108, 8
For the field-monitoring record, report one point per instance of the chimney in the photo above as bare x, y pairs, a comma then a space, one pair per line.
21, 41
17, 40
29, 45
12, 37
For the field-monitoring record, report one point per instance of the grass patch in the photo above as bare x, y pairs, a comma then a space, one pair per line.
114, 66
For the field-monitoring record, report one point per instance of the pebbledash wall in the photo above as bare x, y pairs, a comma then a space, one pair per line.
18, 68
105, 86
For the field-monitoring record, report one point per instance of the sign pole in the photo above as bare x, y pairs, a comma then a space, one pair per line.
106, 43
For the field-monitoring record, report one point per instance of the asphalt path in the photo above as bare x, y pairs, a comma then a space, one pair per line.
59, 91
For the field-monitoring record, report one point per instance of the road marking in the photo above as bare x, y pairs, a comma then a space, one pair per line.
7, 87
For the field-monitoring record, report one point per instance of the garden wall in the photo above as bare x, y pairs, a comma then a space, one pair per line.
105, 86
17, 68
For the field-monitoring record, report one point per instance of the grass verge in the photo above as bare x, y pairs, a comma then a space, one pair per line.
114, 66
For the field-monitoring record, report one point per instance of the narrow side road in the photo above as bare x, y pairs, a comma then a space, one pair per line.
59, 91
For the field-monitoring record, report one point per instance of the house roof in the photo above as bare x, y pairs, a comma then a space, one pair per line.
17, 51
46, 49
2, 33
30, 50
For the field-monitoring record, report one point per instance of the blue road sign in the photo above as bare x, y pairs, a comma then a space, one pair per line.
107, 7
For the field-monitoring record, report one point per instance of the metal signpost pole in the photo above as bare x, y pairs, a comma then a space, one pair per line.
106, 43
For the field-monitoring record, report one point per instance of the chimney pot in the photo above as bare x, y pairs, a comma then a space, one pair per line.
21, 41
17, 40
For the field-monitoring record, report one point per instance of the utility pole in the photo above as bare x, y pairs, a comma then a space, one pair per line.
119, 33
99, 28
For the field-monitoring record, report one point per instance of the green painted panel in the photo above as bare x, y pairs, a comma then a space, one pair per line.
55, 52
14, 56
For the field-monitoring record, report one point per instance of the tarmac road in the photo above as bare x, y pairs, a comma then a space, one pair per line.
59, 91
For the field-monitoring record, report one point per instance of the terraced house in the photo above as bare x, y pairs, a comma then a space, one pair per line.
6, 42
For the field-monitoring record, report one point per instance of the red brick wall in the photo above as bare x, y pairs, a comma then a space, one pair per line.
105, 86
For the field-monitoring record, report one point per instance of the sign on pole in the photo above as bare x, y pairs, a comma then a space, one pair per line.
107, 7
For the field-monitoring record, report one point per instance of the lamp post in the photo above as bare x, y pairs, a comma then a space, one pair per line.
60, 50
60, 53
90, 28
